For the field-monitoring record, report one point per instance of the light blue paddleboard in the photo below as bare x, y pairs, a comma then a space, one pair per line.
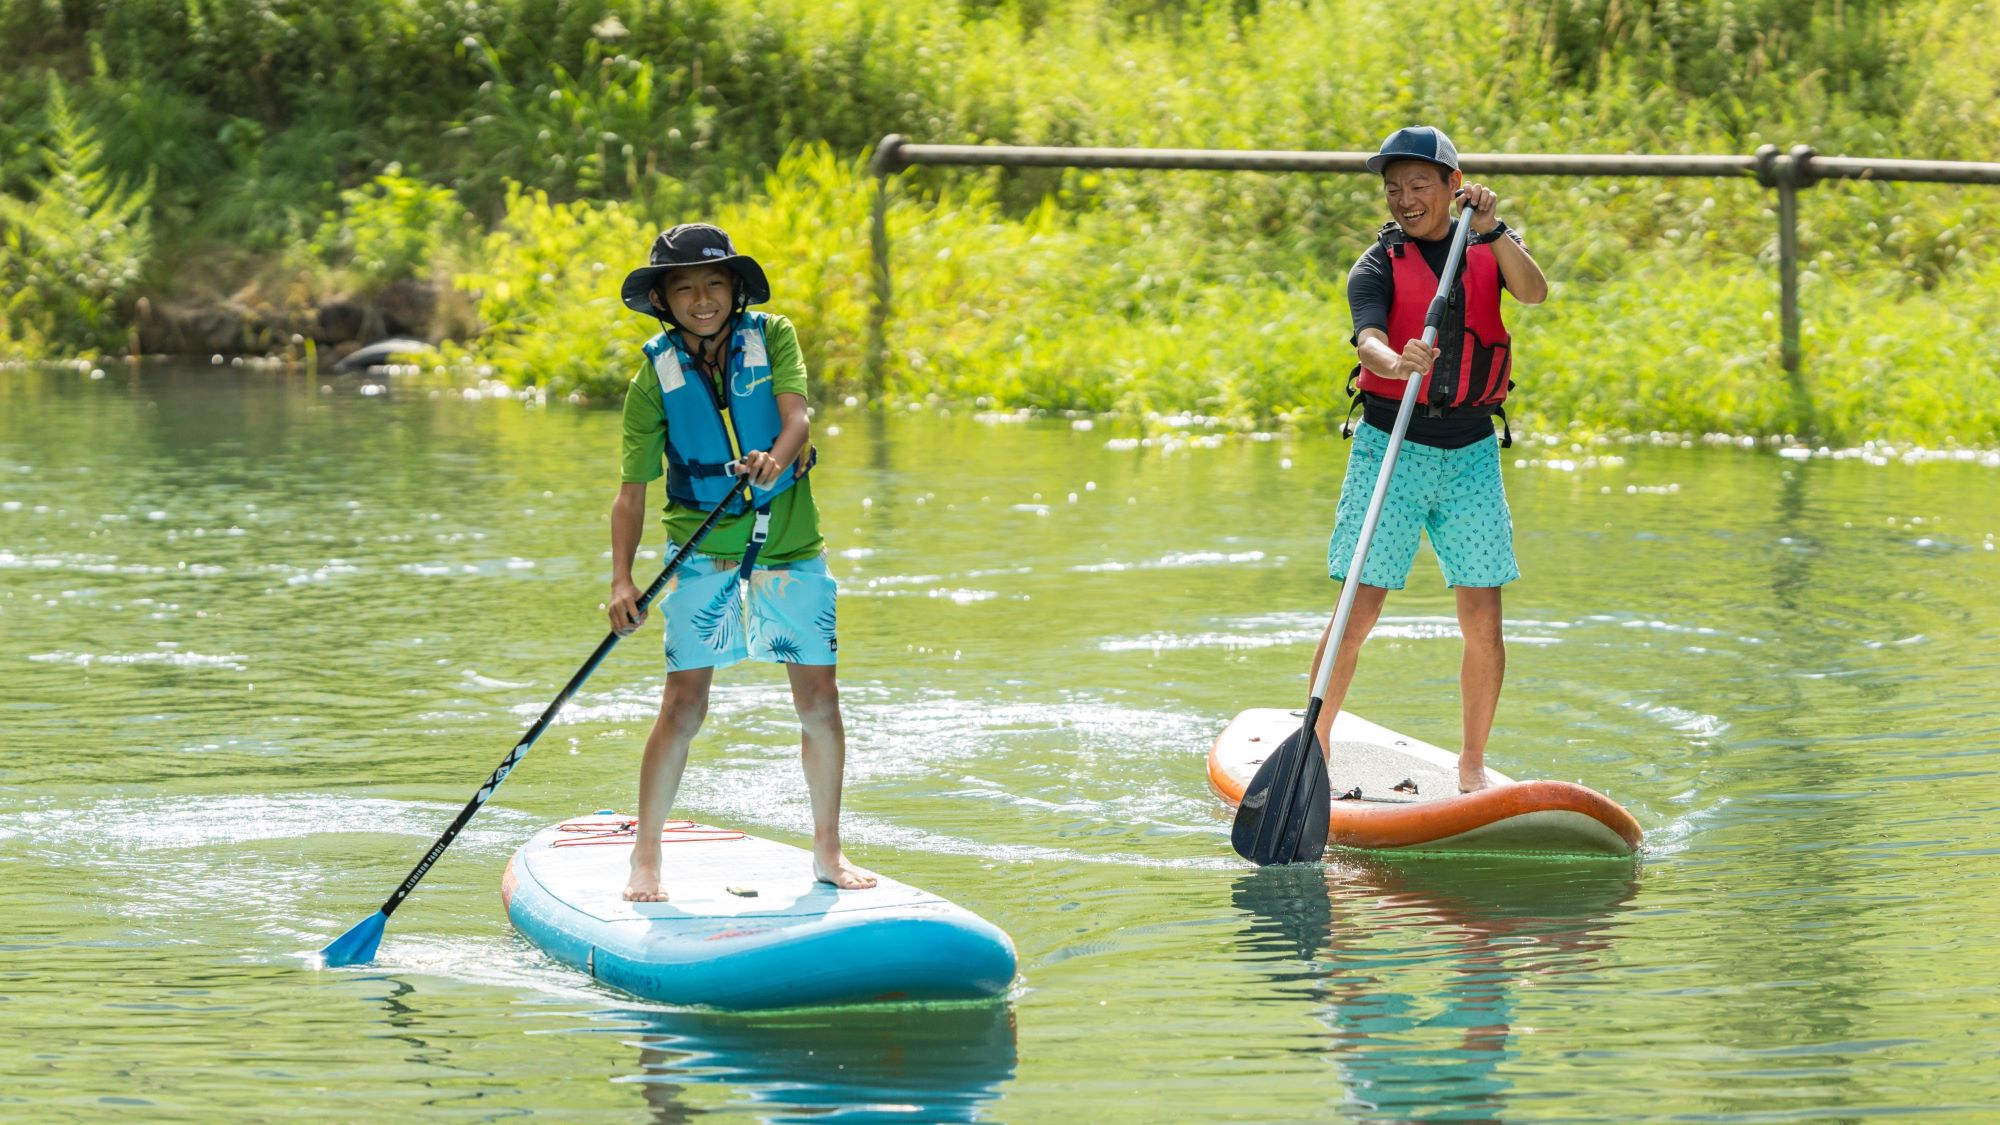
745, 924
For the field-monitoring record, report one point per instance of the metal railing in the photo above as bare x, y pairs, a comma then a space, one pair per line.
1785, 172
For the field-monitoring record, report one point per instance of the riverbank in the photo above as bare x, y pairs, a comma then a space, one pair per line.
267, 176
1058, 311
429, 376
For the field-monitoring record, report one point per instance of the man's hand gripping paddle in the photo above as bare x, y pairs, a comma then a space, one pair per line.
357, 946
1286, 809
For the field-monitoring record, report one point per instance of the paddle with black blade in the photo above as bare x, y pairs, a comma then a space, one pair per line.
1288, 804
357, 946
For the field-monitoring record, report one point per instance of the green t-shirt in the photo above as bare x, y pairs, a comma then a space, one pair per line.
795, 531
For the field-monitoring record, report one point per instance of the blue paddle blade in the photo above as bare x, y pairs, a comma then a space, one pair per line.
356, 946
1285, 809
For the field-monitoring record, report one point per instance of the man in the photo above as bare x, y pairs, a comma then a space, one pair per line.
1447, 477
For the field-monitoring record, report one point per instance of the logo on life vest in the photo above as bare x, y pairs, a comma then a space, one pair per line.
755, 358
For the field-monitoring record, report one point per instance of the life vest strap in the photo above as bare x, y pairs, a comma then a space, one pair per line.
1353, 402
760, 527
760, 530
1357, 400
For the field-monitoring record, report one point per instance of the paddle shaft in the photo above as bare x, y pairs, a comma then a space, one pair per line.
527, 742
1351, 585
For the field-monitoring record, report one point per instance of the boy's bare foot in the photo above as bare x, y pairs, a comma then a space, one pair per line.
644, 885
1473, 780
842, 873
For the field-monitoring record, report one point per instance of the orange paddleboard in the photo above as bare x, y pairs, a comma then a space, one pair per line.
1410, 799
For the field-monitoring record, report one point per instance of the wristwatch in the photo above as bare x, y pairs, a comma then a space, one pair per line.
1499, 231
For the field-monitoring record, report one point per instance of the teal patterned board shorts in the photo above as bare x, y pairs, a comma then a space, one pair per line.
1454, 495
787, 619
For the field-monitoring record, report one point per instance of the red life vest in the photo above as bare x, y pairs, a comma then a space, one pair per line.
1484, 356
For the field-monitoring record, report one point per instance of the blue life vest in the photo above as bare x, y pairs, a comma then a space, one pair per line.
705, 434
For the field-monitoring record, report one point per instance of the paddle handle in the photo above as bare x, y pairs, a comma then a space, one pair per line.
1351, 585
527, 742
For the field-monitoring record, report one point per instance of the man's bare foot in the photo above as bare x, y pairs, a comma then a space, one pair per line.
644, 885
1473, 780
842, 873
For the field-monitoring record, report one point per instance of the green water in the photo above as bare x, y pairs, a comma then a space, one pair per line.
259, 640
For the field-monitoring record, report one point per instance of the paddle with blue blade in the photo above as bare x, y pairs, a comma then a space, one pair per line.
1286, 808
357, 946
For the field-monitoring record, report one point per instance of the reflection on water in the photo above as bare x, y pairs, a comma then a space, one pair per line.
934, 1063
1416, 965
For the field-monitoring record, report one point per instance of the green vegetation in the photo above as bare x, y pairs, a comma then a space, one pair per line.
391, 229
75, 247
526, 149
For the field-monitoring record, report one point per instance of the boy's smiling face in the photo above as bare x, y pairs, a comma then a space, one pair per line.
1419, 195
699, 297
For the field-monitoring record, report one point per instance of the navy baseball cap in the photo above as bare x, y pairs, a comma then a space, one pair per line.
1416, 142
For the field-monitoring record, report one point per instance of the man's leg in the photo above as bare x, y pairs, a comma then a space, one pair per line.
1391, 550
823, 753
683, 705
1360, 621
1479, 677
1473, 532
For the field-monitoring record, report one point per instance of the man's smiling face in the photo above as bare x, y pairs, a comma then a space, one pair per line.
1419, 196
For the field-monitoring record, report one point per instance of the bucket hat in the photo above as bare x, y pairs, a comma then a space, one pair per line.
693, 244
1416, 142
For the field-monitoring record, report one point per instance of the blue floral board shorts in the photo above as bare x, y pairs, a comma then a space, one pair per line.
1454, 495
788, 617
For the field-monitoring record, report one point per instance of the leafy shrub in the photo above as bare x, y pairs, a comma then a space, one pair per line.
391, 229
546, 287
76, 247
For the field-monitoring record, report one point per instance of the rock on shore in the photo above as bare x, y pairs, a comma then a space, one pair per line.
246, 324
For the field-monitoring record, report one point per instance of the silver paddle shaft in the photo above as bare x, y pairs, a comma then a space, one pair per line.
1352, 583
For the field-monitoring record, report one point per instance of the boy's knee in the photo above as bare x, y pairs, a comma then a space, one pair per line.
816, 699
684, 704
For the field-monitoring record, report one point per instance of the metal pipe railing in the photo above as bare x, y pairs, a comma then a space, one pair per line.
1785, 172
894, 154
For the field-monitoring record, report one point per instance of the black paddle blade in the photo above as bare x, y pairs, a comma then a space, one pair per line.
1284, 814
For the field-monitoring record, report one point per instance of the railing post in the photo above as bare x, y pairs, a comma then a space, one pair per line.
1801, 175
1788, 273
1787, 174
885, 163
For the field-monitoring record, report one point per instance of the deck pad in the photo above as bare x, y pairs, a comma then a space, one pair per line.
745, 926
1526, 816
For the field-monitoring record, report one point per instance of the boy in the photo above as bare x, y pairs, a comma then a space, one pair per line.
722, 392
